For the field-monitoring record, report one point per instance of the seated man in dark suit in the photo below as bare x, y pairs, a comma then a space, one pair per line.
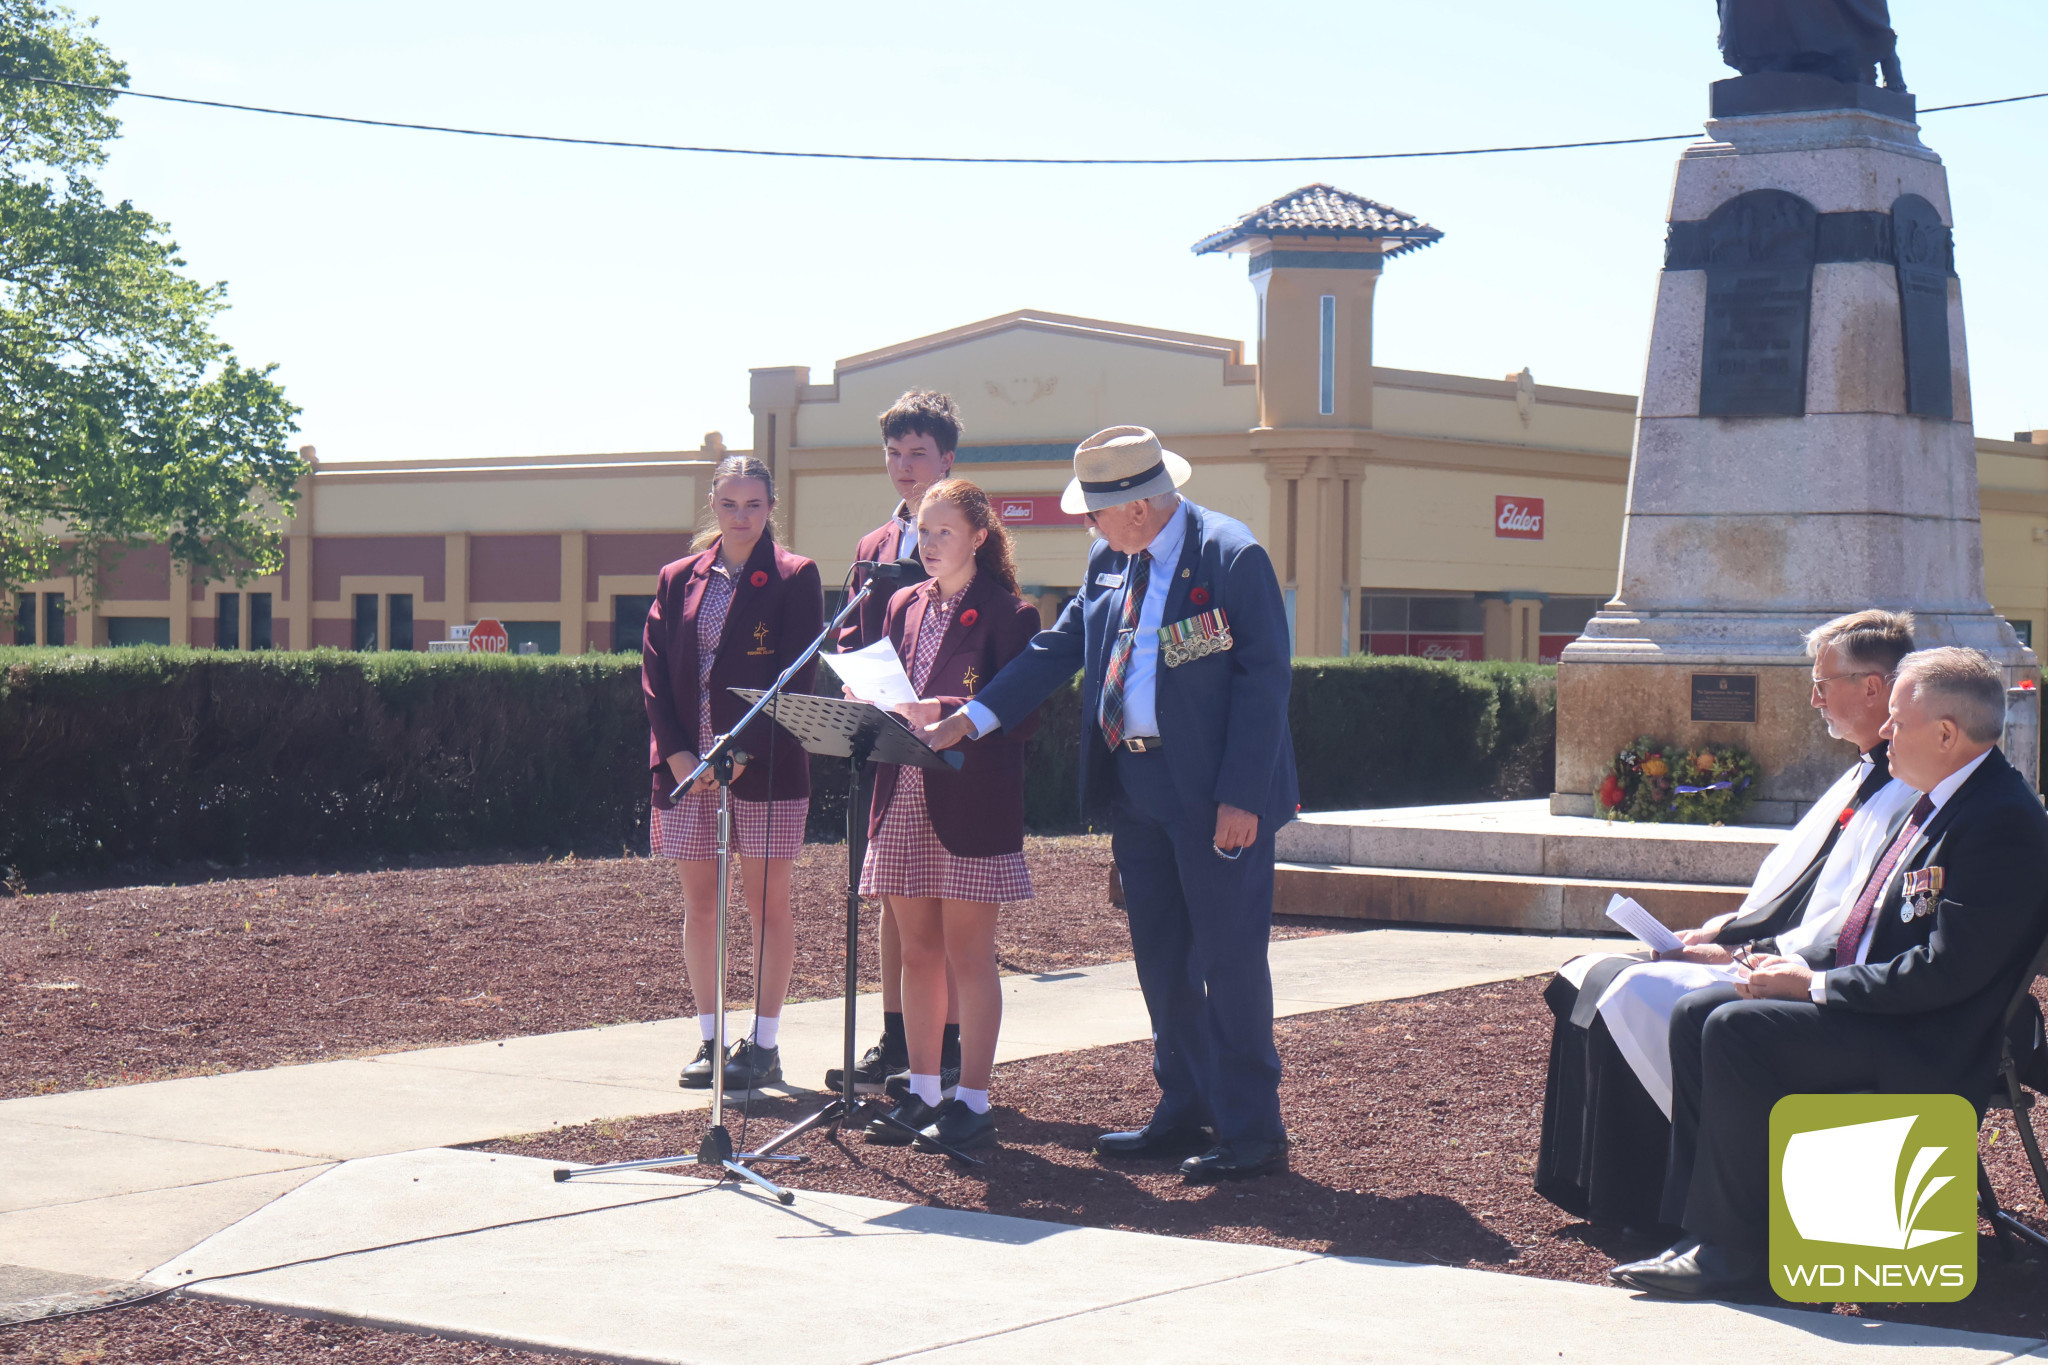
1910, 999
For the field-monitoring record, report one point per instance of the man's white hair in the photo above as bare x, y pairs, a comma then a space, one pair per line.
1962, 685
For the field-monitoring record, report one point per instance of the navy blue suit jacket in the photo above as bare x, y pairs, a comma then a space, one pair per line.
1223, 718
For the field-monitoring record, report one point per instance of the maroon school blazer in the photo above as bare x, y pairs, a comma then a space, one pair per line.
977, 812
869, 623
778, 607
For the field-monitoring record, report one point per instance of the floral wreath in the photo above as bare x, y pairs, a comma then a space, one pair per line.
1652, 780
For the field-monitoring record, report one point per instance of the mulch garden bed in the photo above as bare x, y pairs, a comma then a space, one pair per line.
139, 983
188, 1331
1414, 1126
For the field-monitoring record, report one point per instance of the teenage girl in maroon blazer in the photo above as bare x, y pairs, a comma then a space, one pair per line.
948, 846
734, 614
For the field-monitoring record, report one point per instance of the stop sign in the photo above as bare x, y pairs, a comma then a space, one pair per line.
489, 637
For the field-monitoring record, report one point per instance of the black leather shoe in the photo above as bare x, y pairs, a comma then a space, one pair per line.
913, 1111
873, 1073
697, 1075
749, 1066
959, 1128
1699, 1271
949, 1081
1235, 1161
1154, 1142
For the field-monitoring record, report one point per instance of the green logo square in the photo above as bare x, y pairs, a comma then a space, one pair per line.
1873, 1198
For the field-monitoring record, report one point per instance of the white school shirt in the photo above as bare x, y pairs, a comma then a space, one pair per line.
906, 531
1817, 988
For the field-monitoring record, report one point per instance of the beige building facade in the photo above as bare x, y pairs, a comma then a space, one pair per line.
1406, 512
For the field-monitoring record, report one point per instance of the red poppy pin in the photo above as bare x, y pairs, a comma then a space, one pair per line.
969, 617
1842, 820
1199, 596
760, 578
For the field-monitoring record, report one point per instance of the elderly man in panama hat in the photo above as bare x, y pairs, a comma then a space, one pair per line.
1182, 635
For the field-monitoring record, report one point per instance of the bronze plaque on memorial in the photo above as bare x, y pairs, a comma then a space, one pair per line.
1724, 696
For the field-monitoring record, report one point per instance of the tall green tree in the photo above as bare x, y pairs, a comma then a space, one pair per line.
123, 419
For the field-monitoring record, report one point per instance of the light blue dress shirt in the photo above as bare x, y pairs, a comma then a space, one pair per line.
1141, 685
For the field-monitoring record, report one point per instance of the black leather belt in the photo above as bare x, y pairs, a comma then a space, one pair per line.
1140, 744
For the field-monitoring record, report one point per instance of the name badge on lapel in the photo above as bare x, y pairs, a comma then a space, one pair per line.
1922, 889
1195, 638
761, 645
1109, 580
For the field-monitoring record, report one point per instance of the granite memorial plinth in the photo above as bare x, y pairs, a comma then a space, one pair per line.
1804, 445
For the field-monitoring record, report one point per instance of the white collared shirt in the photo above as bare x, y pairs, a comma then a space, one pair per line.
1141, 684
906, 531
1817, 989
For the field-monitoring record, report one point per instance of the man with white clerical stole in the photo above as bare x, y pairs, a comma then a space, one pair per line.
1607, 1100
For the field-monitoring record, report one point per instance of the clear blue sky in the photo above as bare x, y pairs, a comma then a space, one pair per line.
431, 295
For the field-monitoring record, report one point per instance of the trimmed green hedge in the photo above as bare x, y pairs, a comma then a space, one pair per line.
151, 756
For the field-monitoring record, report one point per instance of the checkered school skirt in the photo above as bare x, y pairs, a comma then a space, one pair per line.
907, 859
690, 831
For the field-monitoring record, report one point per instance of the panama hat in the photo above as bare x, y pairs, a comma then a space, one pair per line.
1120, 465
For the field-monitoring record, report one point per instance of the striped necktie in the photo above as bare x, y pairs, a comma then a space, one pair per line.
1119, 671
1873, 890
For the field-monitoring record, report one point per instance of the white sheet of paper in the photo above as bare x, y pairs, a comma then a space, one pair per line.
1644, 925
874, 674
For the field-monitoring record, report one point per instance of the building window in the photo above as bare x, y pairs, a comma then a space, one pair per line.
544, 636
1328, 368
2024, 628
629, 622
25, 619
53, 618
227, 620
366, 621
138, 630
1445, 626
401, 621
259, 620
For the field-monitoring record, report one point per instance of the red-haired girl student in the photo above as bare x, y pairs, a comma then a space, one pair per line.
734, 614
948, 847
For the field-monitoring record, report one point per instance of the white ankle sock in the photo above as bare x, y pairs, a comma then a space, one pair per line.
707, 1024
977, 1100
766, 1027
925, 1088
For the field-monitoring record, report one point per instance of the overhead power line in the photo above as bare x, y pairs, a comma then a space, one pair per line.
905, 156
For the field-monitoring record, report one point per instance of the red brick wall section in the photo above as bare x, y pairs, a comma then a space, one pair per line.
204, 630
425, 629
280, 633
334, 556
643, 553
515, 568
332, 633
139, 575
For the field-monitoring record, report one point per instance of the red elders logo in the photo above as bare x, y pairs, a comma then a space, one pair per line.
1518, 518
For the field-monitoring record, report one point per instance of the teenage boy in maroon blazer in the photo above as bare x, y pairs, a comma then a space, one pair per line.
920, 433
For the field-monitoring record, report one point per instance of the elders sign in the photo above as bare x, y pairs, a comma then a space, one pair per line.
1518, 518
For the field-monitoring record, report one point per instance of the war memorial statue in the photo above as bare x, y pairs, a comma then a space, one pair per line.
1844, 40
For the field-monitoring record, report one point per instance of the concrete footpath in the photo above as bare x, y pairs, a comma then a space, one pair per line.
327, 1189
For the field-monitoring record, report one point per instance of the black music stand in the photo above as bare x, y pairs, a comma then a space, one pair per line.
863, 734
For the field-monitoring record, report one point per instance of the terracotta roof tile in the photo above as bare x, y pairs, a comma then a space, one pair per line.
1325, 211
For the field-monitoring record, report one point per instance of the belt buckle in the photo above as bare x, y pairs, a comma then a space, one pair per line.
1140, 744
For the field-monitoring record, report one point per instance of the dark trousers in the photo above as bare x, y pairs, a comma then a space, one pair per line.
1731, 1061
1199, 928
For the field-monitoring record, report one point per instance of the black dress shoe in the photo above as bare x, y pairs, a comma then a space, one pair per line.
874, 1072
1154, 1141
913, 1111
749, 1066
1700, 1270
697, 1075
959, 1128
1235, 1161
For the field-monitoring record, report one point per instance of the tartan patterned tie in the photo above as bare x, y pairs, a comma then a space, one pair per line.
1873, 890
1119, 670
